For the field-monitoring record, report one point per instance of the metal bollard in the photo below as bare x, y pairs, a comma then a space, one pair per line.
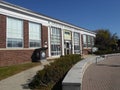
97, 58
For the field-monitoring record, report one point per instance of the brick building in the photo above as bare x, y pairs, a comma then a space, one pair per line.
23, 33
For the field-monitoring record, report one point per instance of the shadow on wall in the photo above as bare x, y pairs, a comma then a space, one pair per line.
39, 54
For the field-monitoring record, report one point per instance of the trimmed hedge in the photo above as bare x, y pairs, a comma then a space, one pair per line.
54, 72
102, 52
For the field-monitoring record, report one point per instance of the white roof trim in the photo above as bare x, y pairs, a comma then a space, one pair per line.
27, 11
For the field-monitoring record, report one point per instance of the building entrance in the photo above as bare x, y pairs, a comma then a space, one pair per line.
67, 47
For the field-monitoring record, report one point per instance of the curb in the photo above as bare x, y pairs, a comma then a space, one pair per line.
73, 79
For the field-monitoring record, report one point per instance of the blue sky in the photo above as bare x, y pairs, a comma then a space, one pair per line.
89, 14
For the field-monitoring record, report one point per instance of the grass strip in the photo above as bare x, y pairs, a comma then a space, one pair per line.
14, 69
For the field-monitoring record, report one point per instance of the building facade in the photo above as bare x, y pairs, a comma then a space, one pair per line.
22, 32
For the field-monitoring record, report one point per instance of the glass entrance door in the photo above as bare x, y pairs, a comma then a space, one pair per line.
67, 47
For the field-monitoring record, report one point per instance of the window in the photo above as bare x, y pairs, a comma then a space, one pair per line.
76, 43
34, 35
89, 41
55, 41
84, 41
67, 33
14, 33
93, 41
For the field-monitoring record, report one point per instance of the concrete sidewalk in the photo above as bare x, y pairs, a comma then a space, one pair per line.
103, 76
20, 81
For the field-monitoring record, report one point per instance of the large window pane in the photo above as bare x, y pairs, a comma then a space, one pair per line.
14, 42
76, 43
93, 41
55, 41
14, 32
84, 41
34, 43
89, 41
34, 35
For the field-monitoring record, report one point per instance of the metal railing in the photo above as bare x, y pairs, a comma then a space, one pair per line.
105, 56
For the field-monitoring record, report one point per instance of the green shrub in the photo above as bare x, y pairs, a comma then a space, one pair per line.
102, 52
55, 72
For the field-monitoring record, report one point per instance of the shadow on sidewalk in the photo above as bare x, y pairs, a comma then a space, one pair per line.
26, 86
108, 65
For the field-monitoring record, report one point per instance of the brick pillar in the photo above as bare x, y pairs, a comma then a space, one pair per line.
81, 46
91, 42
87, 40
26, 34
2, 31
44, 37
82, 43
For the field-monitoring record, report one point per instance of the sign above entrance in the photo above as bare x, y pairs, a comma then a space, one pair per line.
67, 35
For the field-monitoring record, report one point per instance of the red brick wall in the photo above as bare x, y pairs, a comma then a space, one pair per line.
2, 31
26, 34
44, 37
11, 57
85, 51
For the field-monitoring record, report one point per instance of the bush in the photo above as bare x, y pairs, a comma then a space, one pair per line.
54, 72
102, 52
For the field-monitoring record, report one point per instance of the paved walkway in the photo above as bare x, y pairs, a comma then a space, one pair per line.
103, 76
20, 81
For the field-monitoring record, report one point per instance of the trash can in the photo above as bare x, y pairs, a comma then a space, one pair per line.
43, 53
39, 54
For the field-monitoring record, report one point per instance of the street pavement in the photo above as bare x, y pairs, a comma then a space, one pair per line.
104, 75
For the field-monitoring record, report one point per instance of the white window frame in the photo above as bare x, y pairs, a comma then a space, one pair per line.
8, 37
56, 53
40, 26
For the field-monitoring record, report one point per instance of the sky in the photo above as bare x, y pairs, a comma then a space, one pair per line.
88, 14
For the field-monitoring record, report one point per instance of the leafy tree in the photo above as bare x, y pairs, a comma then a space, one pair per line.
118, 43
105, 40
114, 42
